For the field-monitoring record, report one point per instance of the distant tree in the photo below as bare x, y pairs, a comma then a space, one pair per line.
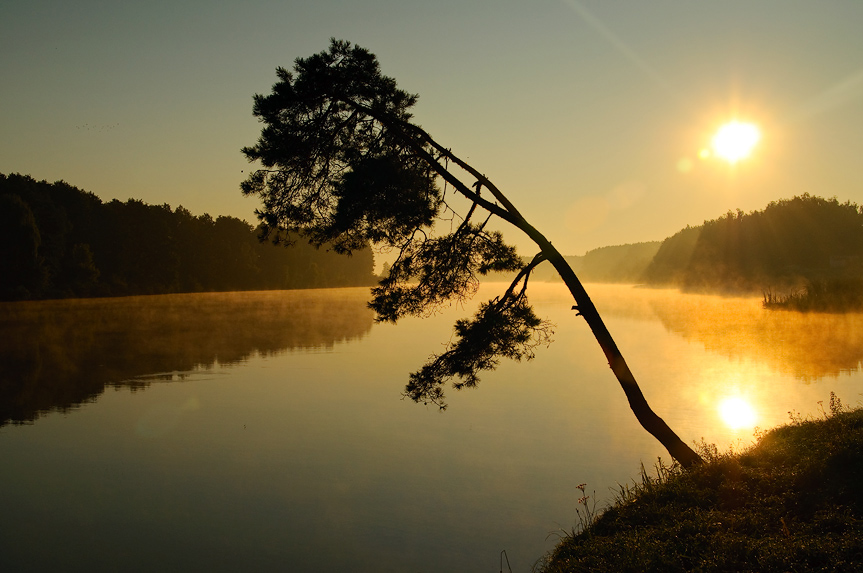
84, 275
21, 272
670, 261
344, 165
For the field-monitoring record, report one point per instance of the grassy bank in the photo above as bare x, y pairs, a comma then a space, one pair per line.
792, 502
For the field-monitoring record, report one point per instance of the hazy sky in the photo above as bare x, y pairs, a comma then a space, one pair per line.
588, 114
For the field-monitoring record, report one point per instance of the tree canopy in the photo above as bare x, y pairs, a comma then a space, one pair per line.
343, 163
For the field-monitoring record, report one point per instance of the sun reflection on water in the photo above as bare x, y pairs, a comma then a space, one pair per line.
737, 413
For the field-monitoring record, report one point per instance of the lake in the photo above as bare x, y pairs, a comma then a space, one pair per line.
267, 431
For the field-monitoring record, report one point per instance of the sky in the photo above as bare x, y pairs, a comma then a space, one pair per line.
588, 114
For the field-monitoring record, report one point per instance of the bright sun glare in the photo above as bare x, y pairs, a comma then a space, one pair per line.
735, 140
737, 413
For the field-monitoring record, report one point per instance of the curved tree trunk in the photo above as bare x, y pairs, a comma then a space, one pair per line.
648, 419
312, 115
645, 415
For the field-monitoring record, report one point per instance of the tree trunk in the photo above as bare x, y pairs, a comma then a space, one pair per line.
648, 419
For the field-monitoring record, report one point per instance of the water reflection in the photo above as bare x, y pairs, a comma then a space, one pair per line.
57, 354
692, 352
270, 461
808, 346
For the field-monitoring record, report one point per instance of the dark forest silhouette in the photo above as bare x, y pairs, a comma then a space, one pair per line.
789, 243
57, 241
800, 245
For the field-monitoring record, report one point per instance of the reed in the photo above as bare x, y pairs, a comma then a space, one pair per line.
819, 295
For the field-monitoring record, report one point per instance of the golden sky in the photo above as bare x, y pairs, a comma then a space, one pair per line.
590, 115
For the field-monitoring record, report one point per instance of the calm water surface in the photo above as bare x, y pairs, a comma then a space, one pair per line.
266, 431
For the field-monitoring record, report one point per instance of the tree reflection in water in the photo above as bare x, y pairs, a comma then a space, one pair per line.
808, 346
58, 354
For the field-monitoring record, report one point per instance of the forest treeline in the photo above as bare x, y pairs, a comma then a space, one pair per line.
790, 242
58, 241
612, 264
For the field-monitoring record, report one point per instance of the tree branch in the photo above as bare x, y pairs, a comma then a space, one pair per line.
398, 128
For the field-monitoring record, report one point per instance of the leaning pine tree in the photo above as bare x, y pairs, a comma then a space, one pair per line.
343, 165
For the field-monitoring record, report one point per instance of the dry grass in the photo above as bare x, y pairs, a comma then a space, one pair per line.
792, 502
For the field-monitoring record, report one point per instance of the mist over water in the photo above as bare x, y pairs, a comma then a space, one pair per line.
277, 437
57, 354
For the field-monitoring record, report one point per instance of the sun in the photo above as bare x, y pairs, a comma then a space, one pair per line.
735, 141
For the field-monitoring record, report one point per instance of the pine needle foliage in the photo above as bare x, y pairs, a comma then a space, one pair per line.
343, 167
505, 327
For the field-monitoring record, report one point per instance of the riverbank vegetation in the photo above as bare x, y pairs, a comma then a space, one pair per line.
834, 295
791, 502
57, 241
